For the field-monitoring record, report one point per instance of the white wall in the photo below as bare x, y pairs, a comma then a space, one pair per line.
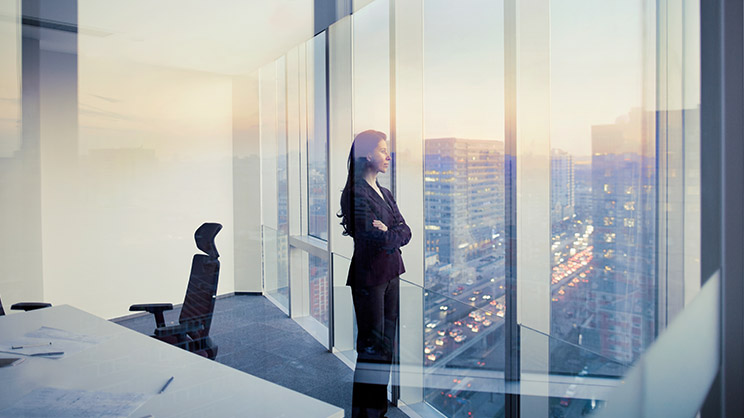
153, 162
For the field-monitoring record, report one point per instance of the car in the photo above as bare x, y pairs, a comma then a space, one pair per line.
432, 324
460, 338
443, 308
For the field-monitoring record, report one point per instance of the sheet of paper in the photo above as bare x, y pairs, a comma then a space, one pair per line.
47, 340
52, 402
48, 333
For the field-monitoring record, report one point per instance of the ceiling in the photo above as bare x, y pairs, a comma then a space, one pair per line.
218, 36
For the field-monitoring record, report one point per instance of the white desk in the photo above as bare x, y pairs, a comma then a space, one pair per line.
131, 362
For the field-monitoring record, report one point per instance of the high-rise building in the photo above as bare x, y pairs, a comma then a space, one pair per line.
622, 303
562, 186
464, 197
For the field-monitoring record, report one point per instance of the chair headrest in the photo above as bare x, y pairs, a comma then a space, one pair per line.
204, 237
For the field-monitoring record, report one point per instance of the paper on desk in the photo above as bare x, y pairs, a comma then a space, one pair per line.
52, 334
36, 342
52, 402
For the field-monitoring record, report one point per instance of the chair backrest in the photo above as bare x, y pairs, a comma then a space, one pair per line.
198, 305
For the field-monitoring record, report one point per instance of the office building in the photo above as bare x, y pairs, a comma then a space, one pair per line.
562, 187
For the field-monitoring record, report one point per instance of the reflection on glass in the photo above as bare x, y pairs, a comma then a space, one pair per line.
317, 139
603, 185
319, 297
464, 305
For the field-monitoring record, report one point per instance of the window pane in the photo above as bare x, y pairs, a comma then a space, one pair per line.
464, 200
602, 185
318, 269
371, 60
274, 180
317, 139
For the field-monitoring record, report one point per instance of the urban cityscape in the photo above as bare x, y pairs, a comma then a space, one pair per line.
603, 303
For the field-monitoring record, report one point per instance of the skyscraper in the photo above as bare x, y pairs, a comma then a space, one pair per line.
562, 186
464, 197
622, 303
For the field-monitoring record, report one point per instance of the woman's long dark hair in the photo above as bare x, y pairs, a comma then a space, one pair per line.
357, 164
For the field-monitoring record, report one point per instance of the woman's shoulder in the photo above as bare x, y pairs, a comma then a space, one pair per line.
386, 192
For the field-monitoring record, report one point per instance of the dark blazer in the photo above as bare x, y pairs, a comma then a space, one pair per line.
377, 256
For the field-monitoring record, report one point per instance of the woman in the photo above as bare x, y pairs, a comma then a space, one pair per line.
371, 217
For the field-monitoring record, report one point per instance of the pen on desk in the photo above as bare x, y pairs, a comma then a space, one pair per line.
165, 386
51, 353
18, 347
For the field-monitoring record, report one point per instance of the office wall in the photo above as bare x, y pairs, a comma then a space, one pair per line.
153, 162
20, 248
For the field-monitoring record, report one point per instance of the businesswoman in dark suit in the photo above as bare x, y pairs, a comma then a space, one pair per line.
371, 217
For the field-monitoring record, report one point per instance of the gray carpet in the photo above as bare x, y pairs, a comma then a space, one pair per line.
256, 337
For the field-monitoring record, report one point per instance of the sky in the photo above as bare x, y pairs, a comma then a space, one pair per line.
596, 68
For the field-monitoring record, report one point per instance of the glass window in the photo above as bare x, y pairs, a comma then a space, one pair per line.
603, 251
274, 179
317, 138
464, 303
319, 288
371, 75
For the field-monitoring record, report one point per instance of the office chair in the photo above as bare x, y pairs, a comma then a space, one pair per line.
192, 331
24, 306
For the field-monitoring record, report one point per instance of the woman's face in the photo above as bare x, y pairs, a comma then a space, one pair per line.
379, 159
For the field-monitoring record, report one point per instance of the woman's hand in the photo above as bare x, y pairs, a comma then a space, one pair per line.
379, 225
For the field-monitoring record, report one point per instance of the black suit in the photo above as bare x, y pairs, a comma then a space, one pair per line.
377, 256
373, 277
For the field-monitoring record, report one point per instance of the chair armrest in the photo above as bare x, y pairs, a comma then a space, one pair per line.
29, 306
155, 309
180, 329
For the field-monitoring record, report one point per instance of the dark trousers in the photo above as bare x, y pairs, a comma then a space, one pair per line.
376, 309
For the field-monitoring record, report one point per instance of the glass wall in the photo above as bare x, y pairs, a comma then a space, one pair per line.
598, 110
294, 147
371, 73
464, 304
317, 138
603, 182
273, 125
